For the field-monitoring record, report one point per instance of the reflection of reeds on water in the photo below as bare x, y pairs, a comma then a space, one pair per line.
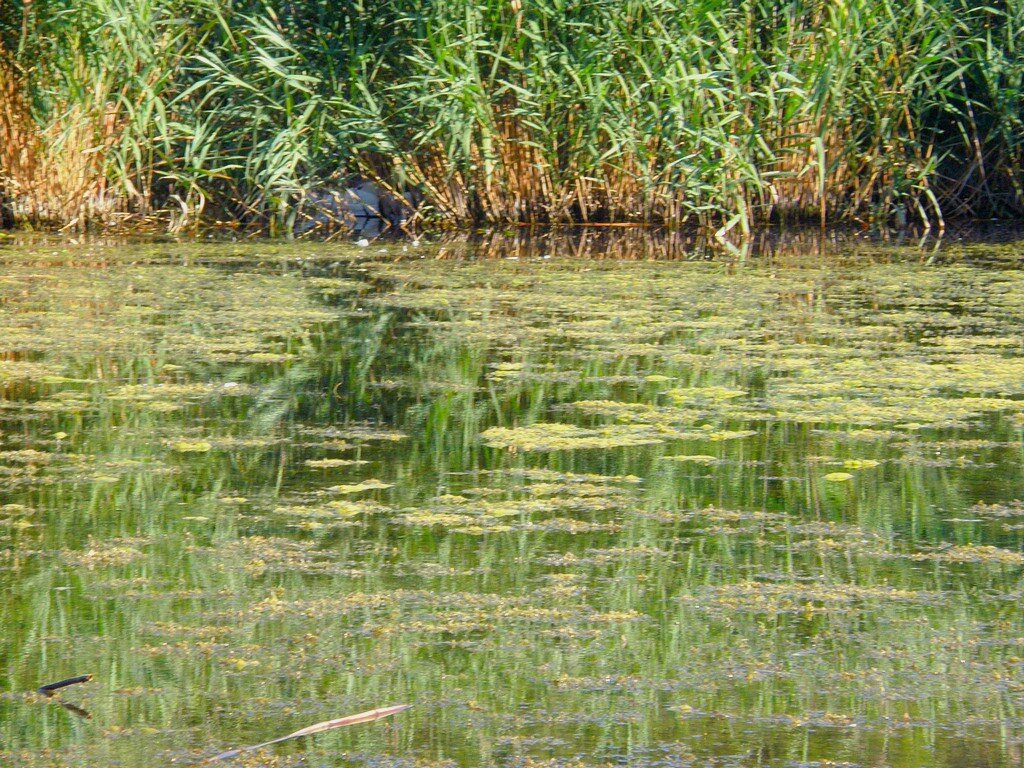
781, 246
633, 243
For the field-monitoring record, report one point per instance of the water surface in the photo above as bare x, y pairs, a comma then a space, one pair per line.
580, 511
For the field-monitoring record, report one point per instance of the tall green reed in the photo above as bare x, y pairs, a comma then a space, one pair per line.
719, 114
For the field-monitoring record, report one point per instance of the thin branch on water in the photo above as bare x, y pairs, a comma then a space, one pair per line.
327, 725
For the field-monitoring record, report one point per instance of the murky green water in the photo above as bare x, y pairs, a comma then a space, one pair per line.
578, 511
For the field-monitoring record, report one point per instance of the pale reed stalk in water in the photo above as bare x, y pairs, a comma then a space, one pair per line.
327, 725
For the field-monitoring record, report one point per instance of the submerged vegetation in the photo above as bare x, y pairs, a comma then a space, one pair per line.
714, 113
581, 512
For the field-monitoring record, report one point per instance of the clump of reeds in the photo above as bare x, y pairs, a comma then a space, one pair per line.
707, 112
81, 117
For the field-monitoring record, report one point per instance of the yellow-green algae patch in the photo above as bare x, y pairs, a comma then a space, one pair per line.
560, 437
199, 446
696, 458
333, 463
860, 464
332, 510
772, 598
184, 314
968, 553
372, 484
567, 437
356, 432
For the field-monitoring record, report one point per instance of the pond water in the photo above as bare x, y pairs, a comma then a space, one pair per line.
578, 511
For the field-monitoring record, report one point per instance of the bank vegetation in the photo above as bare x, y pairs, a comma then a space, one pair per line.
715, 113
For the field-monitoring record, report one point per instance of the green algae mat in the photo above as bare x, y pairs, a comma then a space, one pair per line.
577, 511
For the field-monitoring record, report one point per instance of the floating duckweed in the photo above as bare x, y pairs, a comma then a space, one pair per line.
838, 477
331, 463
336, 509
859, 464
433, 518
260, 555
566, 437
21, 370
102, 554
696, 458
180, 390
571, 525
365, 485
503, 370
716, 436
972, 554
160, 406
870, 434
27, 456
15, 509
1013, 508
268, 357
551, 475
336, 445
200, 446
188, 314
644, 413
483, 513
699, 395
231, 442
799, 597
359, 432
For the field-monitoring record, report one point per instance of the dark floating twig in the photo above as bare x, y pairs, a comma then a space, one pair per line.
327, 725
48, 690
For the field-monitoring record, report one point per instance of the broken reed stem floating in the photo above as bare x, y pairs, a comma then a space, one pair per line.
327, 725
51, 688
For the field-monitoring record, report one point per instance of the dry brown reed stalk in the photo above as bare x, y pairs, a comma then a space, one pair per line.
54, 174
327, 725
18, 136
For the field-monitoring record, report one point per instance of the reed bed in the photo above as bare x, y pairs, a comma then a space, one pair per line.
719, 114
